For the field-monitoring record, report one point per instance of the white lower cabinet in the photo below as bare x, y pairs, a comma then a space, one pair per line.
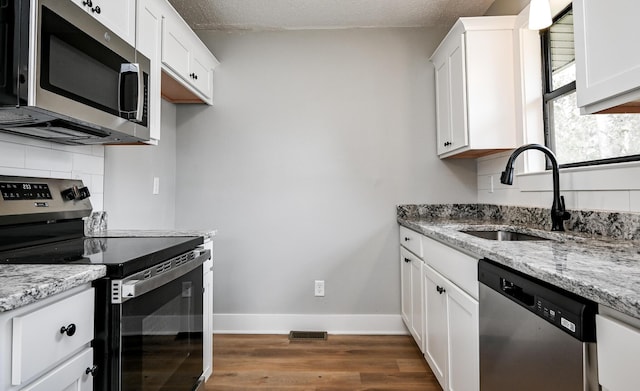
72, 375
451, 326
47, 345
436, 336
412, 294
451, 333
439, 304
207, 315
618, 347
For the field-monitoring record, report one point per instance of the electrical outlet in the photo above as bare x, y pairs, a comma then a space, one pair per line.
319, 288
156, 185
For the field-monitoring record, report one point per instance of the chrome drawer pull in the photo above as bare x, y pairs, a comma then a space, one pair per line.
91, 370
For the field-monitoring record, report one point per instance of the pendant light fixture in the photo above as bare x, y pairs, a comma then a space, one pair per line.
539, 14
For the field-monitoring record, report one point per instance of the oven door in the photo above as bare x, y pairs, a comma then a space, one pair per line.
155, 337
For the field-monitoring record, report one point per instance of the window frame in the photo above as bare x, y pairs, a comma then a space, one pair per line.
549, 95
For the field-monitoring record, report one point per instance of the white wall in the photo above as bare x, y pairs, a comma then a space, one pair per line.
31, 157
313, 139
129, 172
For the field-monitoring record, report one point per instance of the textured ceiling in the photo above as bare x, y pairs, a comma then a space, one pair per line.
324, 14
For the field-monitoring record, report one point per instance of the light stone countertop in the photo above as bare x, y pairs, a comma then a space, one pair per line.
24, 284
606, 271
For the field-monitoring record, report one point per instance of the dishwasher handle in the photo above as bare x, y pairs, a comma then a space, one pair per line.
516, 292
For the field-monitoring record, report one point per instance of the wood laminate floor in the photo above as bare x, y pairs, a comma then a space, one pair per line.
342, 362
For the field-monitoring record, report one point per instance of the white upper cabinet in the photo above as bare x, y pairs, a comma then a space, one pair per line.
149, 44
117, 15
607, 55
185, 58
475, 87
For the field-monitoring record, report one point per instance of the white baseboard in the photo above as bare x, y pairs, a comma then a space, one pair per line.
333, 324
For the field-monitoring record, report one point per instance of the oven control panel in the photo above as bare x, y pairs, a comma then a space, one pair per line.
24, 191
37, 199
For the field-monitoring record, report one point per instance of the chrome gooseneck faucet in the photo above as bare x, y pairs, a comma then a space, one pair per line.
558, 212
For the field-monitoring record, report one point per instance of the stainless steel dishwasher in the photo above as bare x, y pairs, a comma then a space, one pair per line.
533, 336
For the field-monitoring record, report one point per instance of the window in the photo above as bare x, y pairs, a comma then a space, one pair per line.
579, 140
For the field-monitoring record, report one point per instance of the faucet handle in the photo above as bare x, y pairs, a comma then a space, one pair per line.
564, 214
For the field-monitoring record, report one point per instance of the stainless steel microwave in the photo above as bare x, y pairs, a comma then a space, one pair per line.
68, 79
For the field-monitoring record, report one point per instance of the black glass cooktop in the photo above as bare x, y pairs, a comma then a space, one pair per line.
122, 256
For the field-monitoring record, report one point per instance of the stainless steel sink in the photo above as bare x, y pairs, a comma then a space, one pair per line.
500, 235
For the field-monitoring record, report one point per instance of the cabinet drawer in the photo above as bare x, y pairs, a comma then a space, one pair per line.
411, 240
70, 375
37, 340
458, 267
618, 345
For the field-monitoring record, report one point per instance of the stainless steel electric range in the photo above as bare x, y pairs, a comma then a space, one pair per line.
148, 332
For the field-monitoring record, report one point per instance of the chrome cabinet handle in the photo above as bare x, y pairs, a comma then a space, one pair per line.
407, 260
440, 289
406, 239
96, 9
88, 3
69, 330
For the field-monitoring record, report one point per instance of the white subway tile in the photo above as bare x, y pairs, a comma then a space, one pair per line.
23, 172
604, 200
61, 174
11, 155
634, 201
97, 150
88, 164
47, 159
11, 138
97, 184
97, 202
84, 177
82, 149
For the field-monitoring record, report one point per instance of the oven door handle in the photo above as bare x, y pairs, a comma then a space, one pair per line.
132, 287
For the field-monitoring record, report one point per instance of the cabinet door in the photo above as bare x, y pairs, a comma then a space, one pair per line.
417, 302
607, 59
38, 341
149, 44
458, 98
436, 335
443, 112
72, 375
175, 45
118, 16
412, 302
405, 286
451, 98
464, 355
618, 347
201, 72
207, 305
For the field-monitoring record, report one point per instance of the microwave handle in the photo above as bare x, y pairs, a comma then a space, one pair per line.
132, 68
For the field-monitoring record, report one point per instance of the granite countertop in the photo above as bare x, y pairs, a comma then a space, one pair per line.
605, 270
24, 284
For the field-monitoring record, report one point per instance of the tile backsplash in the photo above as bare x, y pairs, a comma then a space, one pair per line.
614, 187
31, 157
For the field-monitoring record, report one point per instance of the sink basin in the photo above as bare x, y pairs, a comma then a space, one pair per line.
506, 236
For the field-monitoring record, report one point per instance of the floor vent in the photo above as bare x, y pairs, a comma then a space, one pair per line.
307, 336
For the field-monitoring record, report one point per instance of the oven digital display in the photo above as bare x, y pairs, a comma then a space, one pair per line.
25, 191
